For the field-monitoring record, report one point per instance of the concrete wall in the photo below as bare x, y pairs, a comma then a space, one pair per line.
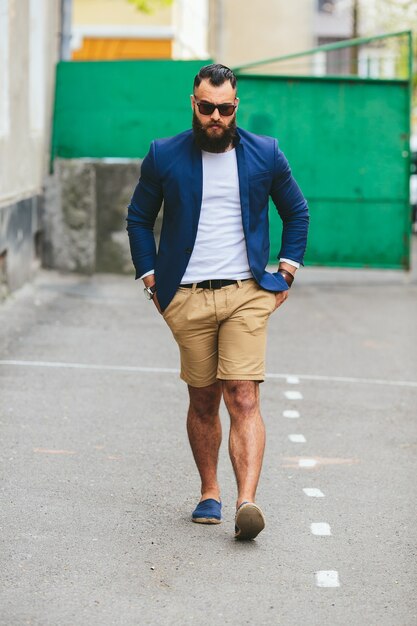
29, 41
69, 218
84, 217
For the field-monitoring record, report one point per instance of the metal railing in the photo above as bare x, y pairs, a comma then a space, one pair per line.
388, 56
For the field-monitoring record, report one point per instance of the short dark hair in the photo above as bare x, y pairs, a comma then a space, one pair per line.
216, 74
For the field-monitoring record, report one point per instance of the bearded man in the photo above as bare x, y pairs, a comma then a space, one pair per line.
208, 278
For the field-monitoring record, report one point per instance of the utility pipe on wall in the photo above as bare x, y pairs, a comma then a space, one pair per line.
65, 35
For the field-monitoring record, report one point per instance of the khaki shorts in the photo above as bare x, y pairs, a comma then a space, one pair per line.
221, 333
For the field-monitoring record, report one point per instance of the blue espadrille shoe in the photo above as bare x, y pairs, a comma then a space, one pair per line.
207, 512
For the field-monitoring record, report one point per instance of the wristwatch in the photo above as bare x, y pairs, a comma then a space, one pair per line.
149, 292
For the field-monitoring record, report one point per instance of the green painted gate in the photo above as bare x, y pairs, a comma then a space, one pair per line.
347, 140
346, 137
116, 108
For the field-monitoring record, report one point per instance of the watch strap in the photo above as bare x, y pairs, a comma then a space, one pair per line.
150, 291
287, 276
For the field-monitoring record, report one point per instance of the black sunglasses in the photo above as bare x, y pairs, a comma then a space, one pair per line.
207, 108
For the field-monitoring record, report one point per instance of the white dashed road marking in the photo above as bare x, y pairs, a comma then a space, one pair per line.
313, 492
327, 578
307, 462
293, 395
297, 438
324, 578
293, 380
320, 528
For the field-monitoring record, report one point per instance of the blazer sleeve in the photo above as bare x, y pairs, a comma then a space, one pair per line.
142, 212
292, 208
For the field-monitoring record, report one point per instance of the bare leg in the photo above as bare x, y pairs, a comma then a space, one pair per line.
205, 435
247, 435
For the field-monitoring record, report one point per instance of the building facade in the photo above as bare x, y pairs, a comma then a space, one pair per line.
243, 32
109, 30
29, 49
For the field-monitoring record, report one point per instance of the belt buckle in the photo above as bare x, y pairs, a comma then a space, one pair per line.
215, 283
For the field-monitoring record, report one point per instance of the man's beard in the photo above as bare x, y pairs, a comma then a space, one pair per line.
213, 143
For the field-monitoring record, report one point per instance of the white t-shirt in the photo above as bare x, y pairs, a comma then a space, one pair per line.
220, 248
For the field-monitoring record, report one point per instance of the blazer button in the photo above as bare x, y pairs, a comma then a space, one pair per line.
188, 250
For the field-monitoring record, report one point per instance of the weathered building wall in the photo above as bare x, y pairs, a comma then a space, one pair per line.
241, 32
19, 242
29, 40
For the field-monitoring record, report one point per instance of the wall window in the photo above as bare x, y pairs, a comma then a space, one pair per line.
326, 6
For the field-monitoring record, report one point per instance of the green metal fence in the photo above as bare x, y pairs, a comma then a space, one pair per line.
347, 139
346, 136
116, 108
347, 143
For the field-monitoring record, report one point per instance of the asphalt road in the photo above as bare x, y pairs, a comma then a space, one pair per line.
98, 482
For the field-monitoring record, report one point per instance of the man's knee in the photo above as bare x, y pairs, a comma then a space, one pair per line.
205, 401
241, 397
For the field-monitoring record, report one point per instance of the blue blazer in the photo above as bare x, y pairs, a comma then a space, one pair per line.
172, 172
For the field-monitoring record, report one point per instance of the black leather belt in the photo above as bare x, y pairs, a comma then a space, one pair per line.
214, 284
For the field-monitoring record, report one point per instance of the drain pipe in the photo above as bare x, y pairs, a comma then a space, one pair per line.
220, 32
65, 34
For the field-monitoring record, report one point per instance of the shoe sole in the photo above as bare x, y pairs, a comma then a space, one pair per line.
250, 521
206, 520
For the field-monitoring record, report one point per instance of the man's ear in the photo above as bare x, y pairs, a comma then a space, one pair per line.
192, 102
237, 103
